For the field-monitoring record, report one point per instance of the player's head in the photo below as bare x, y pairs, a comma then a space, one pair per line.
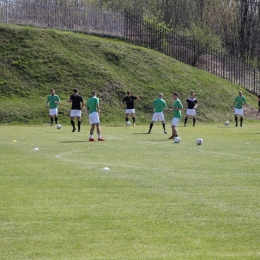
160, 95
192, 94
75, 90
175, 95
240, 93
93, 93
52, 91
128, 93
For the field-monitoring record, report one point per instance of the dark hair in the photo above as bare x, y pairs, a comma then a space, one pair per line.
176, 94
75, 90
128, 92
258, 95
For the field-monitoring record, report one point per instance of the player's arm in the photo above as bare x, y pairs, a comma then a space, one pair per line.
137, 97
195, 105
98, 107
178, 107
57, 101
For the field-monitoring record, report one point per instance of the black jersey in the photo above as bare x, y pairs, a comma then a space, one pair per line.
258, 103
191, 102
76, 102
129, 102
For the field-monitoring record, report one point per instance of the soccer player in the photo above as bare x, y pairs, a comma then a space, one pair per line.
240, 100
177, 107
93, 108
52, 102
77, 105
129, 99
191, 108
159, 105
258, 111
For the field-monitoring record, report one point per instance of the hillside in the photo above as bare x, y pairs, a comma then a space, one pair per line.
33, 61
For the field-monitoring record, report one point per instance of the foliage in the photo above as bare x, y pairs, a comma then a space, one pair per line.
204, 37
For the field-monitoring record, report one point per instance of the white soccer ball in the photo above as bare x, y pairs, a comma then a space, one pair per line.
199, 141
128, 123
226, 123
58, 126
177, 139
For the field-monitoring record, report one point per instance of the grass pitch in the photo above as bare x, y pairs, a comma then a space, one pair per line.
159, 200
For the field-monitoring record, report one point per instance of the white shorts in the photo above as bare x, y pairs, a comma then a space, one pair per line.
175, 121
191, 112
75, 112
239, 111
159, 116
93, 118
130, 111
53, 111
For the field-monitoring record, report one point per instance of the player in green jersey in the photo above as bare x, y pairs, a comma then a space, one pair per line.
159, 105
177, 107
240, 100
52, 102
93, 108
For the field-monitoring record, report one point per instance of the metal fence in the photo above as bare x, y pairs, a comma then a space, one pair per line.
81, 17
190, 52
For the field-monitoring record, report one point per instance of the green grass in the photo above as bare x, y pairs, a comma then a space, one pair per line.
33, 61
159, 200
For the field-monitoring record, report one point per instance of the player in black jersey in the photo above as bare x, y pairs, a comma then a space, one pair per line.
191, 109
77, 105
130, 109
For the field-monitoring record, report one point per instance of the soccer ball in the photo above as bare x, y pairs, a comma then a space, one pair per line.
128, 123
58, 126
199, 141
177, 139
226, 123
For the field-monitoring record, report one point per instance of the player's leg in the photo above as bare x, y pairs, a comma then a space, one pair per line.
186, 119
126, 117
175, 122
79, 122
194, 120
72, 123
51, 117
133, 118
236, 113
164, 128
56, 119
241, 121
150, 127
55, 115
161, 119
99, 132
91, 132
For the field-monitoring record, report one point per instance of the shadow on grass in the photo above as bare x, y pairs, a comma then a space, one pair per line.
71, 142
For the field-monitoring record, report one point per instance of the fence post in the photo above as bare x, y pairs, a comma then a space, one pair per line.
6, 12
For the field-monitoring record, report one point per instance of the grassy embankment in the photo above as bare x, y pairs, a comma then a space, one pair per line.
33, 61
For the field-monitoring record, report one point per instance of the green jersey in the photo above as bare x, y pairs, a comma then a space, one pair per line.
159, 104
239, 102
51, 100
177, 104
92, 104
